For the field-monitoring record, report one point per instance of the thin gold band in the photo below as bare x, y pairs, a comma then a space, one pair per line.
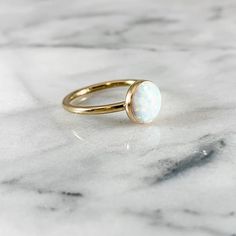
93, 110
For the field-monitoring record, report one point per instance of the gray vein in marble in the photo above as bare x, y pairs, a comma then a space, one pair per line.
126, 28
159, 218
18, 183
172, 168
217, 12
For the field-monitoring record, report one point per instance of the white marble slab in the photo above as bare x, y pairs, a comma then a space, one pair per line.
63, 174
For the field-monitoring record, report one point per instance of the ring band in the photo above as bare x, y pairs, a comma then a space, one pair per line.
142, 102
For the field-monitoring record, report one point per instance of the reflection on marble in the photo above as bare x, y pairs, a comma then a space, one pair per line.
63, 174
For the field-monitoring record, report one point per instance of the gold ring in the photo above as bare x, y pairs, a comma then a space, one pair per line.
142, 102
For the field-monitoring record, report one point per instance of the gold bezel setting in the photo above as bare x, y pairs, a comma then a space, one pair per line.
128, 100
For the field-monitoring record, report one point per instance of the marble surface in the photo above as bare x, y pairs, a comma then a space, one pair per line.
63, 174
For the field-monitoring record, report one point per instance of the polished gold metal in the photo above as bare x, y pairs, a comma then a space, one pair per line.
103, 109
128, 100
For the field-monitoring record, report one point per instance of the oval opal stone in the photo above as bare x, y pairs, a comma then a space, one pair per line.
146, 102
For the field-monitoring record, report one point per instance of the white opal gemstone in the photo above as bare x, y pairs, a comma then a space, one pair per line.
146, 102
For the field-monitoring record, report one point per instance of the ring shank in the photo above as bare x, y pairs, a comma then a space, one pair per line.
93, 110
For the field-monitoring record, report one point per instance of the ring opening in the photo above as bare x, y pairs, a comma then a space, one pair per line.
101, 109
